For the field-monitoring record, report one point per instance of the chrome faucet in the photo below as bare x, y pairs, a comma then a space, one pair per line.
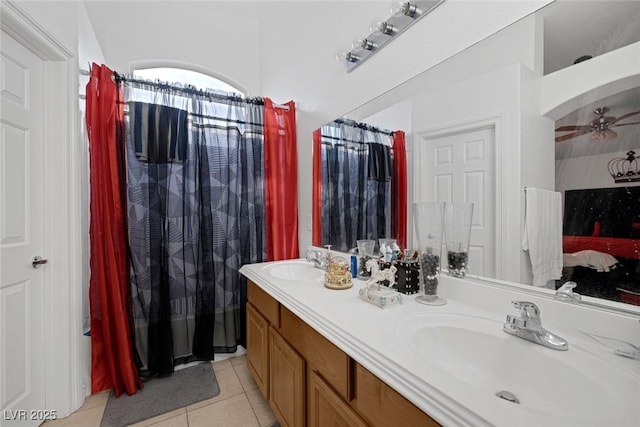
529, 327
565, 292
317, 258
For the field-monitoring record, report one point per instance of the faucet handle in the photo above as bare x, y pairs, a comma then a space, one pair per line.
565, 292
314, 254
528, 310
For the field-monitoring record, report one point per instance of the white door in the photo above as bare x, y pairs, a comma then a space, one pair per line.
460, 167
22, 391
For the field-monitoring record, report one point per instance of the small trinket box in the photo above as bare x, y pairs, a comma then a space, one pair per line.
379, 295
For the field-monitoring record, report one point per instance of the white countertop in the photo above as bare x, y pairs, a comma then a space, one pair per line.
371, 337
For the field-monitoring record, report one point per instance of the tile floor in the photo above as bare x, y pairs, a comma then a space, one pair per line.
239, 404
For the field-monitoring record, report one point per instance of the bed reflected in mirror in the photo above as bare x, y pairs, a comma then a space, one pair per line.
601, 236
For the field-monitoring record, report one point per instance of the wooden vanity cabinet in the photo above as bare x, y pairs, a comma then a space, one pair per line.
308, 380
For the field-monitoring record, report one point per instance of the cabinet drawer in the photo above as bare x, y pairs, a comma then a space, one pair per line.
264, 303
324, 357
380, 405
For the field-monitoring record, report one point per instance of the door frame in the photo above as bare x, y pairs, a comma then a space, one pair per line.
63, 201
500, 187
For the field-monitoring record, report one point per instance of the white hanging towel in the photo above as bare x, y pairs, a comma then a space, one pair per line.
542, 235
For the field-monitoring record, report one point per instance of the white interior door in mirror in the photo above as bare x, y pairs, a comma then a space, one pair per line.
459, 166
22, 394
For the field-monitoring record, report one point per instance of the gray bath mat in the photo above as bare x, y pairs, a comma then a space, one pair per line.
160, 395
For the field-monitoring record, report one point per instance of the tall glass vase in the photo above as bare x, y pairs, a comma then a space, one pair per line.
428, 225
458, 218
365, 253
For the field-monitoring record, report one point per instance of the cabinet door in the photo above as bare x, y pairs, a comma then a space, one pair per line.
258, 349
326, 408
287, 382
382, 406
329, 361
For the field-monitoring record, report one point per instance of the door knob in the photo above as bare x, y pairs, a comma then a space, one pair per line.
38, 260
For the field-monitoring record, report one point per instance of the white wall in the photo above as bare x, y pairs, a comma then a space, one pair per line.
223, 38
396, 117
60, 18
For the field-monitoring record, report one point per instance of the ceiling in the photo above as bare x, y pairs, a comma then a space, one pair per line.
575, 28
572, 28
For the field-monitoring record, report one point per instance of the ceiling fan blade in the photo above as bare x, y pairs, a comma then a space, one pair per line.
572, 135
573, 127
624, 116
626, 124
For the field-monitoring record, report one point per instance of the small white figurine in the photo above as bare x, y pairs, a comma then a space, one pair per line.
379, 276
372, 265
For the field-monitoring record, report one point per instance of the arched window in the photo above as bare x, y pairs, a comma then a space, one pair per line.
194, 78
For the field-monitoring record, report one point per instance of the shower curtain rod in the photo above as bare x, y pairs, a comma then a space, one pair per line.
335, 138
364, 126
119, 78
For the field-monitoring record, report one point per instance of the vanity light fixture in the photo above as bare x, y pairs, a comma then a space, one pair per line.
403, 15
625, 169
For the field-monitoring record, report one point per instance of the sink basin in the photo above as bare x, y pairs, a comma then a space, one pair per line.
297, 270
563, 386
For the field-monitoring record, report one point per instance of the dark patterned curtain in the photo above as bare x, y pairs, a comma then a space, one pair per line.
356, 183
196, 211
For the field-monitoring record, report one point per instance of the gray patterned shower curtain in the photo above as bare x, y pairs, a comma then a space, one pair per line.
356, 183
195, 187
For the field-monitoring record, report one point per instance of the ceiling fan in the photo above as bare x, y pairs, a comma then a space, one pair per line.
600, 126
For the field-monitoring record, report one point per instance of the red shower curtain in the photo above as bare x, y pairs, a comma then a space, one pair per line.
281, 180
112, 361
316, 203
399, 188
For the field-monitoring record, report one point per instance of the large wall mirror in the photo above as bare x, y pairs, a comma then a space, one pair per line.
481, 127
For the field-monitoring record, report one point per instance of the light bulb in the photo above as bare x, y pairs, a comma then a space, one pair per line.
364, 43
347, 57
384, 27
405, 8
